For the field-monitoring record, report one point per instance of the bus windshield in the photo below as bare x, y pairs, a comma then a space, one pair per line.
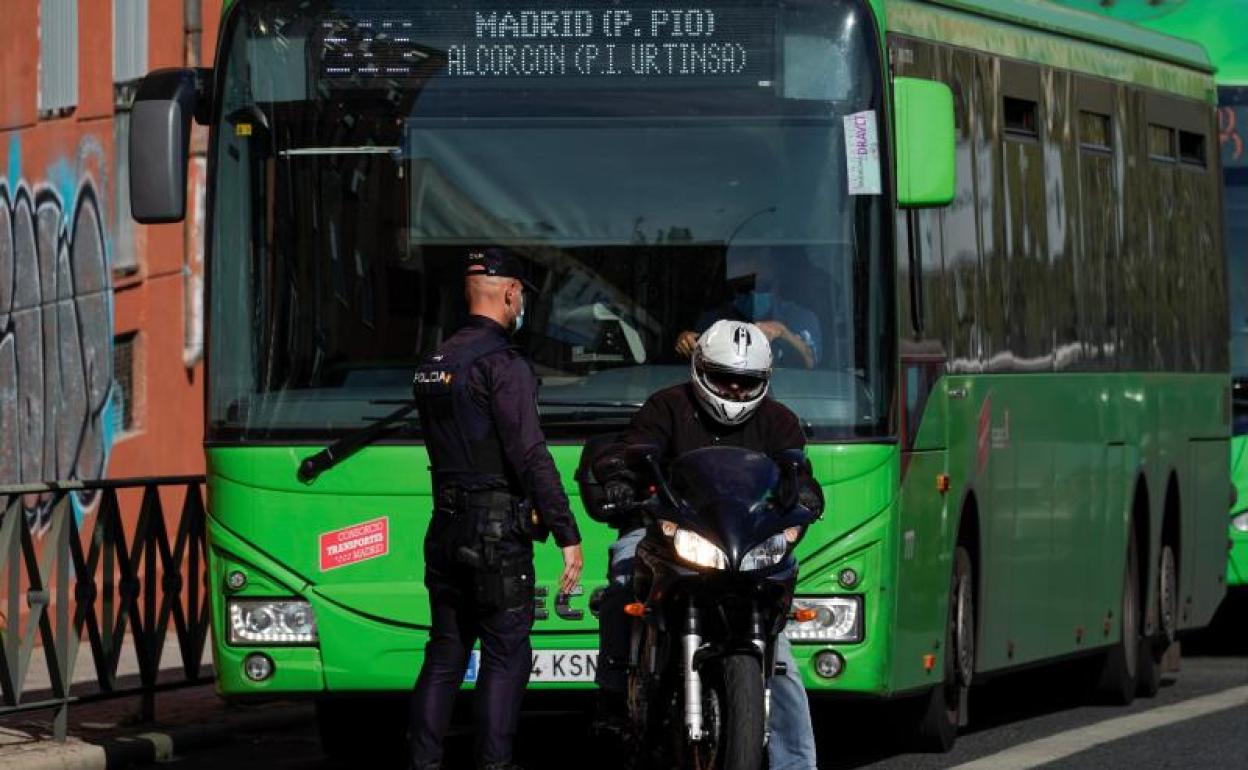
1233, 129
657, 169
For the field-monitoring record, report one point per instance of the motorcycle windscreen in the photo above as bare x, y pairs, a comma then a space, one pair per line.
705, 476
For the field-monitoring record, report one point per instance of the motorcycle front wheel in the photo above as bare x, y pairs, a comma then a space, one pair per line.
733, 717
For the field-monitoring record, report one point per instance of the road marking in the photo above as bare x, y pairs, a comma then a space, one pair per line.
1065, 744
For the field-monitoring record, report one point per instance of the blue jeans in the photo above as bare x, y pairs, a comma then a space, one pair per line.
792, 745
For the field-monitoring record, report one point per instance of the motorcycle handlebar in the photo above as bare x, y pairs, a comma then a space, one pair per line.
633, 507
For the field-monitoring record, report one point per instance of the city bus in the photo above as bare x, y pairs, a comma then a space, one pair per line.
992, 226
1217, 25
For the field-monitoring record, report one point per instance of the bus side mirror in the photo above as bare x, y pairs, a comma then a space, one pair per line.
923, 112
160, 138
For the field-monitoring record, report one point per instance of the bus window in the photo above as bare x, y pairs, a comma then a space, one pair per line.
1233, 135
1094, 132
1192, 148
1160, 142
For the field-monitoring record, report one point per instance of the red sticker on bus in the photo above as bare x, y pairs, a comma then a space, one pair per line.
983, 434
354, 544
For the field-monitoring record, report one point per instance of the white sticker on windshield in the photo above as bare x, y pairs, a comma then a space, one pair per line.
862, 154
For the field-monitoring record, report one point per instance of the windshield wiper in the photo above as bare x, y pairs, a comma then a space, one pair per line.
327, 458
316, 464
588, 411
633, 405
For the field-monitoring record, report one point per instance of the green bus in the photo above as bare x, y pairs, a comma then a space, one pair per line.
1000, 218
1218, 25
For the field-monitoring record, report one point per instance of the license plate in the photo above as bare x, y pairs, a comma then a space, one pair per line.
564, 666
548, 666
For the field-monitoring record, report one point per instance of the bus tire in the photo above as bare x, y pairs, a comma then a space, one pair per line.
944, 707
1153, 650
1120, 667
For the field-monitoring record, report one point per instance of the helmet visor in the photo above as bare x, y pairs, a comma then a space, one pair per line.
733, 386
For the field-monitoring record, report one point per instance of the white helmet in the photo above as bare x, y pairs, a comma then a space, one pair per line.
731, 368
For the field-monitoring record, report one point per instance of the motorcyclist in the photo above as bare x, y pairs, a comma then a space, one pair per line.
725, 403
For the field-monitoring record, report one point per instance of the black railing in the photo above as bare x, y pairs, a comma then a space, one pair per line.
113, 593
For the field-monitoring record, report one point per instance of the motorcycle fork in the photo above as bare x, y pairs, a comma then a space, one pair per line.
760, 641
691, 641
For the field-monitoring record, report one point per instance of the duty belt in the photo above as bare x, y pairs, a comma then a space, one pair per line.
459, 498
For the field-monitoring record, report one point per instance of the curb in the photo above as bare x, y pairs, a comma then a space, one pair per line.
123, 751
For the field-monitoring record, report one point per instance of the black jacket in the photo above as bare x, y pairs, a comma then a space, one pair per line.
673, 420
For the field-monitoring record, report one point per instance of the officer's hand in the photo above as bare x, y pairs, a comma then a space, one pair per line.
618, 493
572, 564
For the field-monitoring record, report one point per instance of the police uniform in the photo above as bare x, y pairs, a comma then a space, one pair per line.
491, 469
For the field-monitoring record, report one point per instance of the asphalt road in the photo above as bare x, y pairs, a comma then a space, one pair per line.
1023, 720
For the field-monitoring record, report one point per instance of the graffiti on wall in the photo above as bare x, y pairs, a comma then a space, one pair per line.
56, 336
1232, 130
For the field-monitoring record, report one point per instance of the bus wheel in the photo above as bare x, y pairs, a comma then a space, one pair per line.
1119, 669
1153, 651
944, 707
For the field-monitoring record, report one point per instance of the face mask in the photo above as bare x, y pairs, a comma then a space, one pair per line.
753, 305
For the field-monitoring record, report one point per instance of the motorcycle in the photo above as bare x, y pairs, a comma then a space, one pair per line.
714, 579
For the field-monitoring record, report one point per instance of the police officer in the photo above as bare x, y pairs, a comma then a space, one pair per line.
491, 469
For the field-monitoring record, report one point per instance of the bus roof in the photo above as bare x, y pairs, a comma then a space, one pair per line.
1080, 25
1218, 25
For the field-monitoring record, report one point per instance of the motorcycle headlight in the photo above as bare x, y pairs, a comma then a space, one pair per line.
271, 622
837, 619
766, 554
696, 549
1240, 522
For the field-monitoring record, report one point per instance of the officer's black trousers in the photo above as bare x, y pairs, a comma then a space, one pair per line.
506, 657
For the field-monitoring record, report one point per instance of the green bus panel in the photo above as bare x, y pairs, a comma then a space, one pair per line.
1046, 468
1049, 464
372, 615
1237, 569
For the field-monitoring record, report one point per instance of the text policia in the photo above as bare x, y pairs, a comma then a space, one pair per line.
566, 43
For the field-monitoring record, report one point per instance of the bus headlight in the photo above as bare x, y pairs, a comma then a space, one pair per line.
766, 554
1240, 522
837, 619
696, 549
268, 621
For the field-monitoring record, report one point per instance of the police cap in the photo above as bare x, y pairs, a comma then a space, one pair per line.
498, 262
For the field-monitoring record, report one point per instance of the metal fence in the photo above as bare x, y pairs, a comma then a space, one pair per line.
78, 575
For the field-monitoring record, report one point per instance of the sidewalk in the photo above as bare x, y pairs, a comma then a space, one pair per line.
84, 665
108, 734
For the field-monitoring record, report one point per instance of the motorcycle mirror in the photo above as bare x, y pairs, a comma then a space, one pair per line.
647, 456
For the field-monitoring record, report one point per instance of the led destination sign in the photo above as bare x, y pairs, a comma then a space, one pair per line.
573, 43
